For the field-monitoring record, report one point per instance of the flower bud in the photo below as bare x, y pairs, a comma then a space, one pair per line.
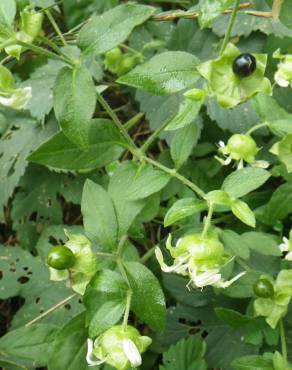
241, 147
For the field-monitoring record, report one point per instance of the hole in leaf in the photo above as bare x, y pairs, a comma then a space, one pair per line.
29, 273
25, 268
12, 269
53, 241
37, 300
23, 279
79, 301
1, 275
67, 306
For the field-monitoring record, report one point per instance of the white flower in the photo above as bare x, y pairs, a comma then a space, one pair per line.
132, 353
90, 358
17, 99
284, 247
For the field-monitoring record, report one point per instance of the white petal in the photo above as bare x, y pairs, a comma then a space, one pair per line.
227, 161
281, 81
207, 278
221, 144
90, 358
288, 257
284, 247
240, 165
132, 353
226, 284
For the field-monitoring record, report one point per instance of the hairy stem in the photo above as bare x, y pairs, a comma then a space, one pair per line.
276, 9
51, 310
207, 223
154, 135
230, 26
56, 27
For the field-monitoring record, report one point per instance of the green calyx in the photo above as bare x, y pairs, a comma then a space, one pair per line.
241, 147
229, 89
121, 347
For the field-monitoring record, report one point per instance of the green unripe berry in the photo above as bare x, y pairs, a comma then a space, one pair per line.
113, 56
126, 65
263, 288
61, 258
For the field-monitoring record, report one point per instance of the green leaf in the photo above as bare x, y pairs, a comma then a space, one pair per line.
165, 73
15, 146
282, 149
232, 317
235, 244
218, 197
242, 211
99, 216
110, 29
129, 186
211, 9
245, 180
188, 111
279, 206
269, 109
30, 343
148, 299
230, 90
187, 354
253, 362
105, 144
262, 243
74, 103
183, 208
106, 316
7, 13
183, 142
238, 119
281, 126
69, 348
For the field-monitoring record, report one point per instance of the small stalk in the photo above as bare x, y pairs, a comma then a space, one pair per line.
127, 310
230, 26
207, 223
256, 127
56, 27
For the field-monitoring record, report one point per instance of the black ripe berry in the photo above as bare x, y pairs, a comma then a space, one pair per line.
244, 65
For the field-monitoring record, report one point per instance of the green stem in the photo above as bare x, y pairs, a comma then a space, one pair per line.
56, 27
102, 254
121, 246
123, 271
148, 255
283, 340
127, 310
207, 223
53, 46
276, 9
154, 135
256, 127
142, 158
178, 176
117, 122
242, 264
230, 26
133, 121
45, 52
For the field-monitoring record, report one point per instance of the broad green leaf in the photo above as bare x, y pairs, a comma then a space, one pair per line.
183, 208
242, 211
99, 216
30, 343
15, 146
129, 186
243, 181
187, 113
219, 197
232, 317
283, 150
211, 9
269, 109
74, 103
281, 126
253, 362
106, 316
165, 73
235, 244
7, 13
245, 24
187, 354
110, 29
244, 286
279, 206
230, 90
262, 243
70, 347
183, 142
148, 299
105, 146
237, 120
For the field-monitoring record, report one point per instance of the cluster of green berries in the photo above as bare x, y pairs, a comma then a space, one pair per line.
118, 63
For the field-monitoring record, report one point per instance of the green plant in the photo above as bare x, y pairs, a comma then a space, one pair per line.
145, 168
